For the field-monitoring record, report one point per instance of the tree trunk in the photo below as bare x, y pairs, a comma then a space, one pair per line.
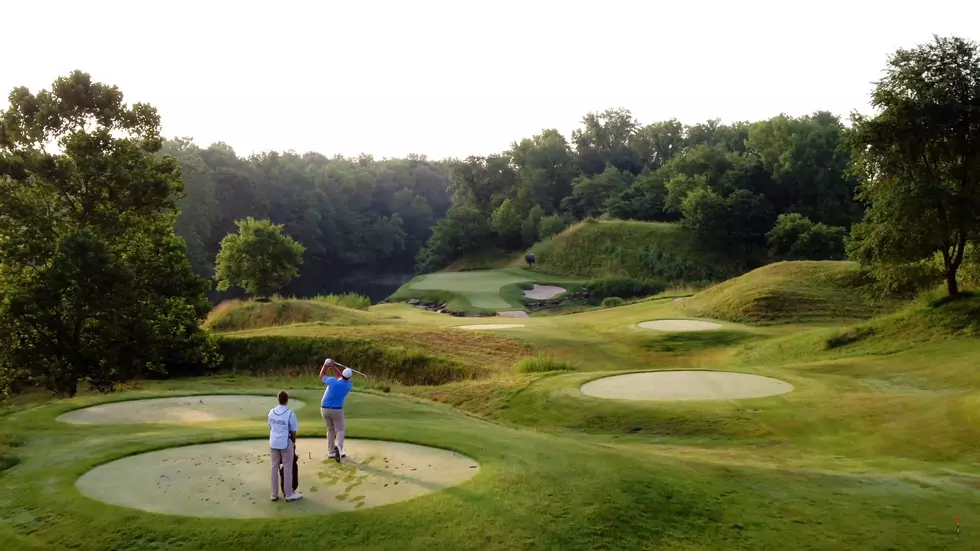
951, 285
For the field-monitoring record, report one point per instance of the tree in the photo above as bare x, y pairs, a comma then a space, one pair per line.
95, 285
551, 225
506, 223
259, 258
919, 157
464, 230
706, 215
795, 236
590, 195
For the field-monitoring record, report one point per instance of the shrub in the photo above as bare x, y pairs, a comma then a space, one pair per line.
541, 364
611, 302
623, 288
347, 300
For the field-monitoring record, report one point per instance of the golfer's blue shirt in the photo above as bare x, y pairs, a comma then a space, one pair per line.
336, 393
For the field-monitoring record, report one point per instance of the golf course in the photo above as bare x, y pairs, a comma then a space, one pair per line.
690, 433
752, 335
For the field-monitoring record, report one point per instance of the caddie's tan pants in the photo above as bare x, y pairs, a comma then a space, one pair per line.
286, 458
334, 419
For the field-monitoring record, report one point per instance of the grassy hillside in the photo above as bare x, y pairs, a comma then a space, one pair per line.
629, 248
235, 315
804, 291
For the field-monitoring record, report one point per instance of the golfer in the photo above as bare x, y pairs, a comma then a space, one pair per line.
282, 441
332, 406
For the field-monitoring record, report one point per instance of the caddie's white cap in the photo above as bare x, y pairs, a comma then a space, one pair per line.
347, 373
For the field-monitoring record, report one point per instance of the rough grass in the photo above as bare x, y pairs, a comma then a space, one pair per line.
236, 315
642, 250
805, 291
541, 364
403, 354
346, 300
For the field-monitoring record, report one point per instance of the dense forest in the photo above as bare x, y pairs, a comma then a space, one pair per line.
366, 219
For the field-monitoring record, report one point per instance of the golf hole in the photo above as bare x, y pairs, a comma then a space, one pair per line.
233, 479
176, 410
685, 385
488, 326
679, 325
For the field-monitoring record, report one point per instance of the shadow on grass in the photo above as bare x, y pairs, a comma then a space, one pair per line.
683, 342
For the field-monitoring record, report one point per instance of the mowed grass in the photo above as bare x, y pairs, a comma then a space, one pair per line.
801, 291
875, 448
535, 490
642, 250
480, 290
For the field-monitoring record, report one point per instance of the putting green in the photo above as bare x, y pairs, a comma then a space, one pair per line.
481, 288
179, 410
685, 385
233, 479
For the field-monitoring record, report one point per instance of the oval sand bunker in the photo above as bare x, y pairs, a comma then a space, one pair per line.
685, 385
232, 479
179, 409
488, 326
679, 325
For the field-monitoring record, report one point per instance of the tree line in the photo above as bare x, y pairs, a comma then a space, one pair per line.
108, 242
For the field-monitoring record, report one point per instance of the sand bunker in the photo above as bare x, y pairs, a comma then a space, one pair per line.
679, 325
180, 410
513, 314
543, 292
231, 479
685, 385
487, 326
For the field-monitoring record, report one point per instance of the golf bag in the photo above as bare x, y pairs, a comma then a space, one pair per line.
282, 474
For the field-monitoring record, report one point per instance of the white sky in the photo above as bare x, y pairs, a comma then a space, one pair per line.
461, 77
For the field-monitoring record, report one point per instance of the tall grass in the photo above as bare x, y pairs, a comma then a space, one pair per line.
541, 364
403, 365
346, 300
236, 315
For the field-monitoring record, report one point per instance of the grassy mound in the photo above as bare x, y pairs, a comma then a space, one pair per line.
405, 355
805, 291
236, 315
642, 250
926, 324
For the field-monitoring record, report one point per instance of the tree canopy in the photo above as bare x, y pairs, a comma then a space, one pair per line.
919, 158
95, 285
259, 258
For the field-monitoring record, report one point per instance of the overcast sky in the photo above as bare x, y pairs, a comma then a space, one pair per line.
463, 77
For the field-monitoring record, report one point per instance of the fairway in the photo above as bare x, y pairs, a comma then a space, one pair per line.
488, 290
183, 409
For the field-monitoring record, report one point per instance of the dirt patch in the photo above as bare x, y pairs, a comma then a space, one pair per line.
488, 326
543, 292
513, 314
176, 410
685, 385
679, 325
232, 479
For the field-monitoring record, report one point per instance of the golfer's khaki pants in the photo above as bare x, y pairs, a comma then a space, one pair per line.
334, 419
286, 458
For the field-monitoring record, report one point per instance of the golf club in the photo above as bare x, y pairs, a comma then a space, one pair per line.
351, 368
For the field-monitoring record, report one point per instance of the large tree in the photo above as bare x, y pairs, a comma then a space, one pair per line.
259, 258
94, 285
919, 156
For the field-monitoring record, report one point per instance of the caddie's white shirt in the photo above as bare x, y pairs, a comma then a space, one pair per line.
282, 421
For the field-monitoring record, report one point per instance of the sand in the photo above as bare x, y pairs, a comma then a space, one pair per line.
179, 410
679, 325
487, 326
685, 385
513, 314
232, 479
543, 292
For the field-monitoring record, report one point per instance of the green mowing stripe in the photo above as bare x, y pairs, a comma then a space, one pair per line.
481, 290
